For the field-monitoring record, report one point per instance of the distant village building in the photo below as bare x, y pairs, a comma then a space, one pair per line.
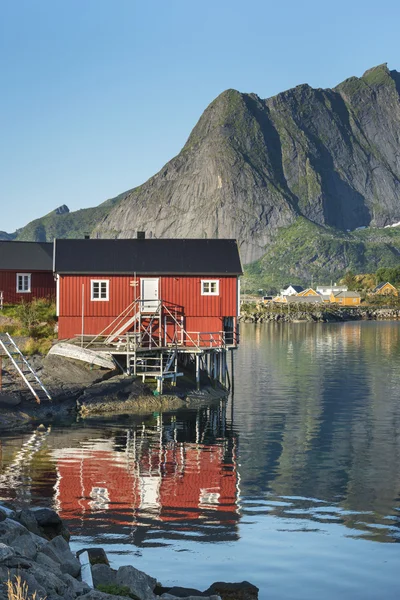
26, 271
327, 290
291, 290
385, 289
346, 298
308, 292
304, 299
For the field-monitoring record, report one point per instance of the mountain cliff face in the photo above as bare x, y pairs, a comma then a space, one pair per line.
252, 165
252, 169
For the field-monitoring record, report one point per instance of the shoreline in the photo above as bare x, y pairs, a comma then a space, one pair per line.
259, 313
35, 551
81, 390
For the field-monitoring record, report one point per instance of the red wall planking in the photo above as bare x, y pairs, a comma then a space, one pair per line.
202, 313
42, 286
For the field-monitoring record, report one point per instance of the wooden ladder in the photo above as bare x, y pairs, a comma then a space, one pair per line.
23, 367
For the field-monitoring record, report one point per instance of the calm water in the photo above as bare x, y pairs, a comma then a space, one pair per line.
294, 484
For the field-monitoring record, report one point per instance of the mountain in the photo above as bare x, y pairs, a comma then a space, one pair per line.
258, 170
252, 165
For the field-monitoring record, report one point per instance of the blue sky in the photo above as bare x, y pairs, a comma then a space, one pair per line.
97, 95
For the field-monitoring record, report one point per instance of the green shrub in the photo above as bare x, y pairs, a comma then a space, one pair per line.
116, 590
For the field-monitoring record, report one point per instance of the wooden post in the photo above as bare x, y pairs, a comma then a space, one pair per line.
197, 371
232, 373
83, 313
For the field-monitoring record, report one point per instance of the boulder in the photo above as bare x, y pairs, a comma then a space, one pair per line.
6, 552
25, 546
76, 587
97, 595
10, 530
28, 520
140, 584
97, 556
48, 563
233, 591
50, 524
103, 574
201, 597
58, 550
182, 592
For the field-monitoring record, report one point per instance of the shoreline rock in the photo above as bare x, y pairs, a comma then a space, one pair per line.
316, 314
33, 547
78, 389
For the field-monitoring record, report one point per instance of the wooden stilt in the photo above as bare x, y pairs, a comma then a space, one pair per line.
197, 371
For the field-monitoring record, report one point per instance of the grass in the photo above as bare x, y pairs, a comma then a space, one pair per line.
35, 320
18, 590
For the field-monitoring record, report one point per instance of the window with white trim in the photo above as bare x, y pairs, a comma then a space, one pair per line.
23, 283
210, 287
99, 289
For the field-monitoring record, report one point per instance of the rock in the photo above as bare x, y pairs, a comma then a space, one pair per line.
5, 510
103, 574
50, 524
234, 591
25, 546
76, 587
48, 563
96, 556
201, 597
96, 595
6, 552
58, 550
138, 582
10, 530
28, 520
49, 581
181, 592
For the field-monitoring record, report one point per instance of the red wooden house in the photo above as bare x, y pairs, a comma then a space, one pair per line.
196, 280
26, 271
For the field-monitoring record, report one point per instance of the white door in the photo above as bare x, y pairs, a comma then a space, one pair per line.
149, 294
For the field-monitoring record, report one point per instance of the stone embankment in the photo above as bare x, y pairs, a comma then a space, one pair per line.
35, 551
286, 313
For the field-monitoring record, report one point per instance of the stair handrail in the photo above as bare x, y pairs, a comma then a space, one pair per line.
120, 317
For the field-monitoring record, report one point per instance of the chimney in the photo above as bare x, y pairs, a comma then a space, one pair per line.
141, 235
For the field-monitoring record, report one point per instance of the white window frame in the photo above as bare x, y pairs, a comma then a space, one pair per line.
208, 283
101, 283
23, 275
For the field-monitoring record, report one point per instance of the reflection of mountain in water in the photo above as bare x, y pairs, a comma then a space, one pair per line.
173, 478
321, 420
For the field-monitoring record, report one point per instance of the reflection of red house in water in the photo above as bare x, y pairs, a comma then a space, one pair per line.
179, 482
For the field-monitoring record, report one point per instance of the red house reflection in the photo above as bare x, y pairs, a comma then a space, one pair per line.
164, 483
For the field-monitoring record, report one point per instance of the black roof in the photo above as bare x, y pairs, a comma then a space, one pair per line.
151, 256
26, 256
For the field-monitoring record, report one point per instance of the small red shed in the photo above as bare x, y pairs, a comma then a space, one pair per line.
26, 271
190, 285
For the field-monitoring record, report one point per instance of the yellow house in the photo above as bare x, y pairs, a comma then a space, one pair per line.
386, 289
346, 298
308, 292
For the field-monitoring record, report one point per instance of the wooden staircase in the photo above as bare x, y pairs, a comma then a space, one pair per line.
23, 368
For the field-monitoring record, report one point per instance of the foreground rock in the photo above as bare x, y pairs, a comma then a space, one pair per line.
34, 548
